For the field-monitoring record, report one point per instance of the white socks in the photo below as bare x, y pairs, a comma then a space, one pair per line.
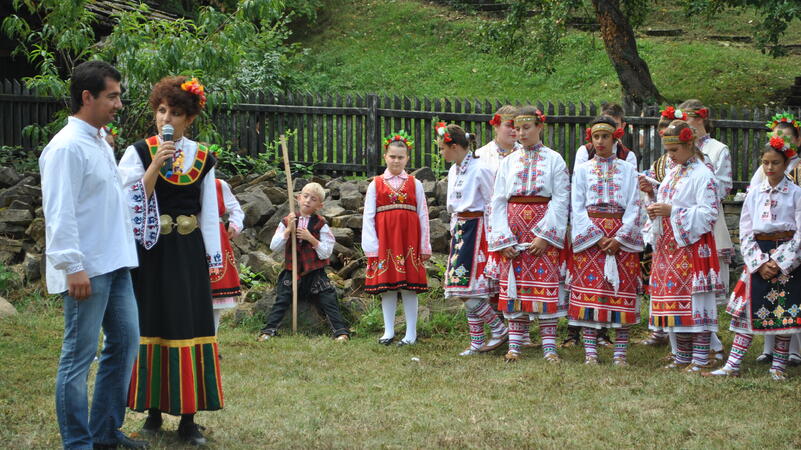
217, 314
410, 311
389, 305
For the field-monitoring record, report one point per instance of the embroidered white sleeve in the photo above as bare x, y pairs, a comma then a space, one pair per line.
501, 235
583, 232
690, 223
788, 254
327, 241
553, 226
422, 214
209, 221
369, 237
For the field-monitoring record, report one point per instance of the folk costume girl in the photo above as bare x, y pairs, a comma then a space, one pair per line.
606, 235
787, 127
503, 145
225, 283
470, 183
530, 205
717, 154
177, 225
588, 150
767, 299
685, 281
395, 238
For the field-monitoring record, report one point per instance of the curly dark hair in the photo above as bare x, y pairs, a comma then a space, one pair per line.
169, 90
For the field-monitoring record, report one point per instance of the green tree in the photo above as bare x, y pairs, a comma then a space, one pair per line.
777, 15
233, 53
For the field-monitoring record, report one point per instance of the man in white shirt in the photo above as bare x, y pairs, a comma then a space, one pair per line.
90, 249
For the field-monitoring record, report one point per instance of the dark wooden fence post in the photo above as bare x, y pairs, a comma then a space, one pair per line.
373, 134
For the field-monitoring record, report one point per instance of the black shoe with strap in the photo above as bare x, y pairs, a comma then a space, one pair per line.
190, 433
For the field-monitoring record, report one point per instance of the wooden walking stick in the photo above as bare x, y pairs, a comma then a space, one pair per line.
289, 189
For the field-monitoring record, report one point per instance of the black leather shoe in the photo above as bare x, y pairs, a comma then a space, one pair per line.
190, 434
386, 341
152, 424
124, 442
404, 343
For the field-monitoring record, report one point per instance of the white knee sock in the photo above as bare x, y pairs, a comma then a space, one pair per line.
217, 314
767, 347
410, 311
795, 344
673, 343
714, 343
389, 305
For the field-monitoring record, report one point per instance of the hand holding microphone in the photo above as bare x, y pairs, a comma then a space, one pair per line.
167, 132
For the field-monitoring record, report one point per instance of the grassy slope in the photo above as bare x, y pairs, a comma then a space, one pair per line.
299, 392
411, 47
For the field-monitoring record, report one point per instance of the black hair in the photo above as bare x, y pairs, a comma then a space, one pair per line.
767, 148
90, 76
604, 119
462, 138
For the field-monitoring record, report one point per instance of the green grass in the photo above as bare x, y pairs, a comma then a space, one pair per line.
302, 392
416, 48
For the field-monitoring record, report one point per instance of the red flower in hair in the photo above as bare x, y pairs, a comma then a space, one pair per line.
541, 115
777, 143
496, 120
790, 153
618, 133
588, 135
686, 135
669, 113
703, 113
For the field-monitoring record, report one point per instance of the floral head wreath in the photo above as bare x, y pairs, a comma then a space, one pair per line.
617, 133
780, 144
672, 113
400, 136
537, 117
783, 118
442, 132
193, 86
701, 112
498, 119
685, 135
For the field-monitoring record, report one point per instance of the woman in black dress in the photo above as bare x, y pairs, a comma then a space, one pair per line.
174, 209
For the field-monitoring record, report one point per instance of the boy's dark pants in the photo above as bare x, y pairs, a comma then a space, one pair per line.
314, 287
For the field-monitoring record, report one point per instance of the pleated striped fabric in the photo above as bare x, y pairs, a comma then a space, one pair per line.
176, 376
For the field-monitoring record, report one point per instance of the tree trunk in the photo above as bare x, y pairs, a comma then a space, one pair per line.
621, 46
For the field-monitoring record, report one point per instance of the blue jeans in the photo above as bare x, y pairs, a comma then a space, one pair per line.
112, 305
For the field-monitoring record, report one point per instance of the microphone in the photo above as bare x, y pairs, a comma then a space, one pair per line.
167, 132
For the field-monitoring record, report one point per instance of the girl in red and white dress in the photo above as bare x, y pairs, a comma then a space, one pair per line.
606, 235
530, 206
767, 299
470, 183
225, 283
685, 278
395, 238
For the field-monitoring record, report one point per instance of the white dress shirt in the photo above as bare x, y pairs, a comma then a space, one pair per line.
87, 226
324, 249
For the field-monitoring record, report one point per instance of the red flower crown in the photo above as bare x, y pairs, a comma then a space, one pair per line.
702, 113
672, 113
780, 145
441, 129
498, 119
193, 86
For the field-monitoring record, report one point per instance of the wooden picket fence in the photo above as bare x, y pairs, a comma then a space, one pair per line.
342, 134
